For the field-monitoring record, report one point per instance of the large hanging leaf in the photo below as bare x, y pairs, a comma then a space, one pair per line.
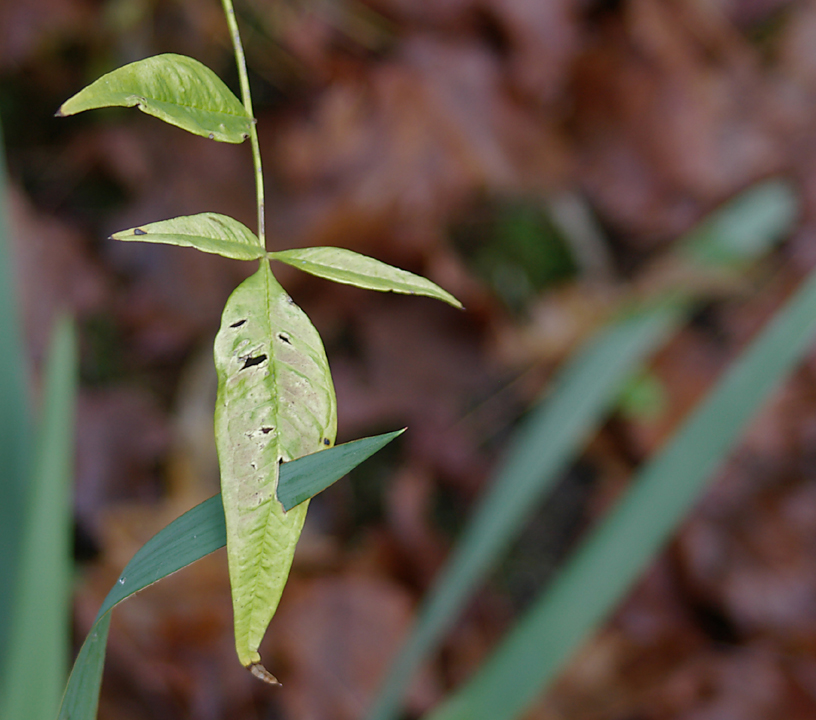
275, 403
351, 268
174, 88
209, 232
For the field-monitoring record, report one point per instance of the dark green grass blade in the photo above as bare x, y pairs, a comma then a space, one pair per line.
613, 557
15, 424
188, 538
540, 452
312, 474
42, 598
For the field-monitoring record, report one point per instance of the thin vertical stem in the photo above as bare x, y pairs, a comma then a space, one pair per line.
240, 60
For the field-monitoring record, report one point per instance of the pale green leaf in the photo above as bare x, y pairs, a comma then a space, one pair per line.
174, 88
208, 232
351, 268
275, 403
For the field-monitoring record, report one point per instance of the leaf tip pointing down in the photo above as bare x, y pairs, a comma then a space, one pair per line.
260, 672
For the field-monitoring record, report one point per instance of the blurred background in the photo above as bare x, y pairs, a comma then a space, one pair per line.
539, 160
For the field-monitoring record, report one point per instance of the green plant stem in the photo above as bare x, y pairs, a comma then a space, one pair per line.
246, 97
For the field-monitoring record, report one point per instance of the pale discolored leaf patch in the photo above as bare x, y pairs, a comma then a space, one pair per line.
351, 268
174, 88
275, 403
209, 232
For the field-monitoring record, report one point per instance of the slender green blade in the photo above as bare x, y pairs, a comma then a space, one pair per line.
81, 697
275, 403
43, 588
15, 426
313, 474
583, 393
174, 88
209, 232
188, 538
613, 557
351, 268
539, 454
744, 228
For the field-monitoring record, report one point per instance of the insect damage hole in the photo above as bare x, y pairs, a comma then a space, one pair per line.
284, 338
238, 323
252, 361
139, 231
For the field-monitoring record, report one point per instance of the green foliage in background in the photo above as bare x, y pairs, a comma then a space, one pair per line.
551, 437
35, 525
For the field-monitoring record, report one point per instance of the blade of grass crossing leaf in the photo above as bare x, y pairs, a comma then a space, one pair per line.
540, 453
39, 634
613, 557
313, 474
15, 424
188, 538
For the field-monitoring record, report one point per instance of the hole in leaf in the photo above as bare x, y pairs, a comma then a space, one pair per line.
237, 324
267, 430
326, 441
252, 361
139, 231
284, 338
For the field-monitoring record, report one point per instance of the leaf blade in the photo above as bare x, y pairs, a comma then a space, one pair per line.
208, 232
275, 403
351, 268
174, 88
43, 584
312, 475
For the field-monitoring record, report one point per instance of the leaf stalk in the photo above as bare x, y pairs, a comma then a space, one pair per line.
246, 97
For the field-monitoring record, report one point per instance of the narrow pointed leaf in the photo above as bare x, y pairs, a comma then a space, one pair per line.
547, 440
174, 88
313, 474
351, 268
617, 552
15, 423
42, 608
209, 232
275, 403
188, 538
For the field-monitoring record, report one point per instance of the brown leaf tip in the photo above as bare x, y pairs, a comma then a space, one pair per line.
260, 672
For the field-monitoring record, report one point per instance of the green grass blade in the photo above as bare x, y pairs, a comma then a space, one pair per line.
541, 451
174, 88
188, 538
351, 268
613, 557
42, 604
313, 475
740, 231
744, 228
208, 232
15, 425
